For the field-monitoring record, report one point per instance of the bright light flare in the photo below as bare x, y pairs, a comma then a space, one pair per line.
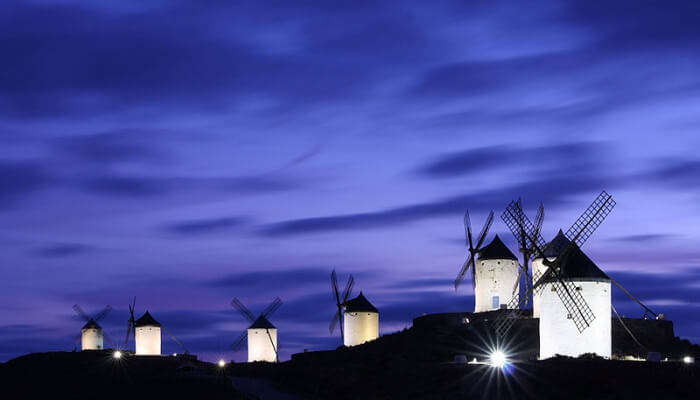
117, 354
498, 359
688, 359
221, 363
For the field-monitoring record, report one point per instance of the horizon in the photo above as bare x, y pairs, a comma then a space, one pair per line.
188, 154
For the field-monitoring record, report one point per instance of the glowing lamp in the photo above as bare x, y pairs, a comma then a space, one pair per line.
688, 359
498, 359
221, 363
117, 354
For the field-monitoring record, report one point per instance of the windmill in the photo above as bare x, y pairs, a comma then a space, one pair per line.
339, 303
261, 335
526, 248
473, 250
130, 329
146, 333
577, 309
91, 334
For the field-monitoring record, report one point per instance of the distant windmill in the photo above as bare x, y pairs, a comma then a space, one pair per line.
261, 335
360, 318
339, 302
527, 249
91, 335
473, 250
578, 310
146, 332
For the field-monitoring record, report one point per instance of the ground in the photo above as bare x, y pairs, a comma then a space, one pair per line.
416, 363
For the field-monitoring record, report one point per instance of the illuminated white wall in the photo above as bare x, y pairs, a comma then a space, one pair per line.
494, 278
559, 335
260, 348
147, 340
360, 327
91, 339
537, 266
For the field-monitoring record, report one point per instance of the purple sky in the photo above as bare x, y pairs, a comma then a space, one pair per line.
185, 154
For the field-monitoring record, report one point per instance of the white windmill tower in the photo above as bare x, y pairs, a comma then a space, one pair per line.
557, 334
91, 334
571, 288
261, 335
360, 319
494, 274
147, 335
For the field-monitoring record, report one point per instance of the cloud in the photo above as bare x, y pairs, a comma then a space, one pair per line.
284, 278
22, 178
127, 186
684, 174
477, 202
61, 250
81, 61
644, 238
205, 226
563, 157
115, 146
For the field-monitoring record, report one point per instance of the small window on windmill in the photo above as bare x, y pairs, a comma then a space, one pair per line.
568, 316
579, 288
554, 289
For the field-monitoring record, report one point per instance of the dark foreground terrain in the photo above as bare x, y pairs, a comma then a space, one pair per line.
96, 375
416, 363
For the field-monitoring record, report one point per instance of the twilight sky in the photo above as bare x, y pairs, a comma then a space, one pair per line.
186, 153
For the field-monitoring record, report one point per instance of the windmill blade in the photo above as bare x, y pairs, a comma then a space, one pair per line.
245, 312
128, 332
539, 218
102, 313
334, 321
276, 303
182, 346
348, 288
334, 287
575, 304
78, 310
78, 339
463, 270
484, 231
468, 231
239, 342
517, 281
274, 345
519, 224
473, 269
591, 219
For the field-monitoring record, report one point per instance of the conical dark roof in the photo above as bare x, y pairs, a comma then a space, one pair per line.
262, 323
577, 265
146, 320
91, 324
496, 250
556, 246
360, 304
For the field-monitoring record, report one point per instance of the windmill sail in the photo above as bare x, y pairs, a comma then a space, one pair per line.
581, 230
